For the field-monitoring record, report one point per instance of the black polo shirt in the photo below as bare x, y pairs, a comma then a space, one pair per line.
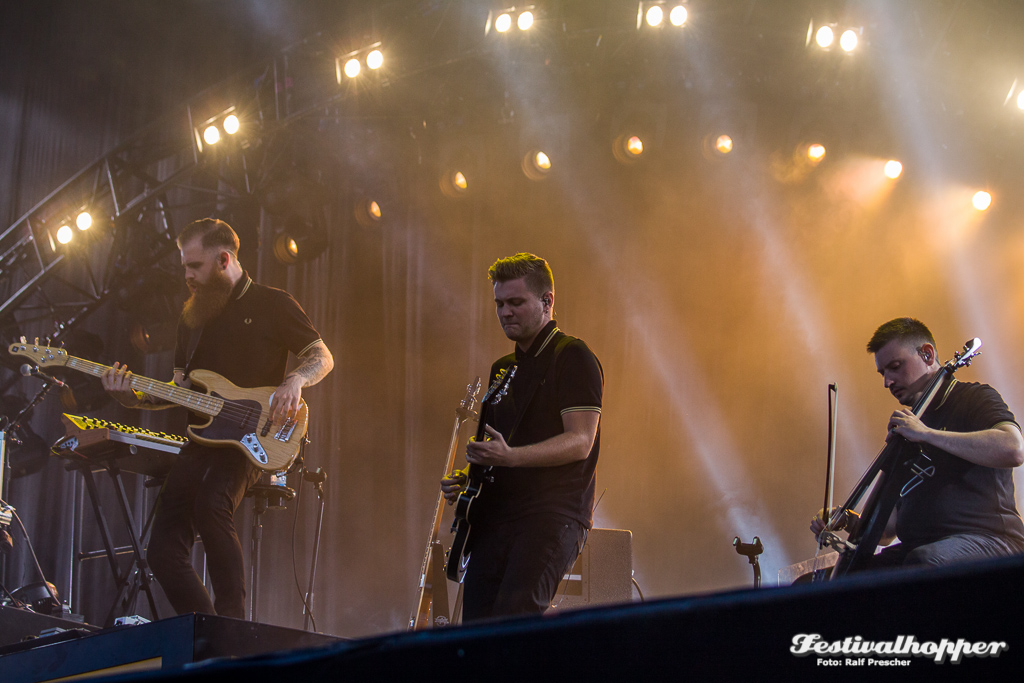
249, 341
961, 497
558, 374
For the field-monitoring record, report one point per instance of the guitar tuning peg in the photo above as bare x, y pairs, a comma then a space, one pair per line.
36, 342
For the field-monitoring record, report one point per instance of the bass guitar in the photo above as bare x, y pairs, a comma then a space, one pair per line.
897, 474
476, 477
433, 582
239, 418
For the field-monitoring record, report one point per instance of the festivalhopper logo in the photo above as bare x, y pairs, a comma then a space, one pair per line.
889, 652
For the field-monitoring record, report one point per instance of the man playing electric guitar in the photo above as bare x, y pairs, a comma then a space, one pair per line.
243, 331
542, 440
962, 507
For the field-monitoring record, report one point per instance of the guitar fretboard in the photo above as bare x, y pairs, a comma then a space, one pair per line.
193, 400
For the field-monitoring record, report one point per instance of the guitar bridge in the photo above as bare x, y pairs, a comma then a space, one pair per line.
285, 432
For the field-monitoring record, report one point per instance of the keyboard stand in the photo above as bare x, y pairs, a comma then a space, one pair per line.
137, 575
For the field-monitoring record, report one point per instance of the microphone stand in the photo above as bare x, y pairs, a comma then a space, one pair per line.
751, 551
317, 478
7, 428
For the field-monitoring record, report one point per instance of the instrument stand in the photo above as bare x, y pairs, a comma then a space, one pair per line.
265, 496
751, 552
317, 478
5, 475
137, 576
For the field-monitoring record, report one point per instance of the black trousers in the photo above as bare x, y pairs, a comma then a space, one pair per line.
949, 550
515, 567
200, 495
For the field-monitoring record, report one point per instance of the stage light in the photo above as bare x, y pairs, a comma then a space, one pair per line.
455, 184
981, 201
211, 135
375, 59
677, 17
503, 23
286, 249
536, 165
65, 234
815, 152
723, 144
627, 148
525, 20
84, 220
655, 15
893, 169
212, 130
352, 68
368, 213
848, 41
824, 36
300, 240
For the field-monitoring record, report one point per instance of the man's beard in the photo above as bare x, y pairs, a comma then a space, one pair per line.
207, 300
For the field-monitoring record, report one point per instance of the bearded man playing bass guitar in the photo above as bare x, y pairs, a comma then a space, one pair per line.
243, 331
966, 509
531, 517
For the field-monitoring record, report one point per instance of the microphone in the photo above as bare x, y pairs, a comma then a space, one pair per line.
30, 371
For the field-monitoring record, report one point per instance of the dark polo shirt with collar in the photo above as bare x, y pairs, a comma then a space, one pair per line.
557, 375
249, 341
961, 497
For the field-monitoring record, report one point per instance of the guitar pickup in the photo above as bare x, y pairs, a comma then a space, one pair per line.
266, 427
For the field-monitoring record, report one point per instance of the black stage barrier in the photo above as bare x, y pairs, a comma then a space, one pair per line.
947, 623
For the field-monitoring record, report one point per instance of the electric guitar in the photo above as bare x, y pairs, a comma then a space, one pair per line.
478, 475
239, 418
433, 583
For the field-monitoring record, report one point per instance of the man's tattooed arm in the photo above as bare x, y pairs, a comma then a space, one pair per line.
314, 365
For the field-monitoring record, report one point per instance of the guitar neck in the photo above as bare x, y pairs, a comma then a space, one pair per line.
193, 400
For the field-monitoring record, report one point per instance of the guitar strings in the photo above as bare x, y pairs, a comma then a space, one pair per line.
246, 415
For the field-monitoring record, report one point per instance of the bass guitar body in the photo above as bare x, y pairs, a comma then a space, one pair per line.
246, 425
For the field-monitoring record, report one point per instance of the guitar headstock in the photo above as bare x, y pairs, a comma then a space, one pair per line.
962, 359
465, 409
41, 355
499, 387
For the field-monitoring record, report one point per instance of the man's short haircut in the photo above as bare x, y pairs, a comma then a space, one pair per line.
907, 330
533, 268
212, 232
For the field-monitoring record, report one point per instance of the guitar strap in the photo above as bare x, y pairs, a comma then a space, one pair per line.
193, 343
539, 379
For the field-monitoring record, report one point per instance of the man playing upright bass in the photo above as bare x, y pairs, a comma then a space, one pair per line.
542, 440
244, 332
966, 509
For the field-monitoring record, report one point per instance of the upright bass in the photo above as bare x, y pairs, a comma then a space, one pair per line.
897, 471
